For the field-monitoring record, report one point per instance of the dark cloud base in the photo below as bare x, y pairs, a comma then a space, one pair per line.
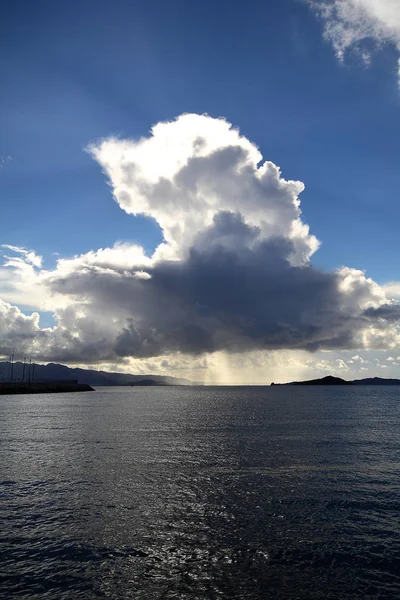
234, 297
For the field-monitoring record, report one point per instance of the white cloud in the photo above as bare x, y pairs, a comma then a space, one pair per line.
233, 274
359, 359
359, 25
22, 280
4, 160
392, 289
25, 257
191, 169
13, 321
342, 365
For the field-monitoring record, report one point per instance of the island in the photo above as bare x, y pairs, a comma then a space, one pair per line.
330, 380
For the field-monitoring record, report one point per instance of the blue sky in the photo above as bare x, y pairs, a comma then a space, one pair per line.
76, 72
73, 72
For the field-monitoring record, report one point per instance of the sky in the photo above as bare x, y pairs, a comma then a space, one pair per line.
207, 190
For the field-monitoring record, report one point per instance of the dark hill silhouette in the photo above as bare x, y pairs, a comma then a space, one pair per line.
330, 380
376, 381
48, 387
148, 382
53, 371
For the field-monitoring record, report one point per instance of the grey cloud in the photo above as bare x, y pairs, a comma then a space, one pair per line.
235, 291
387, 312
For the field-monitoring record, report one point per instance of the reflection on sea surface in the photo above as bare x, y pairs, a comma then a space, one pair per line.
201, 493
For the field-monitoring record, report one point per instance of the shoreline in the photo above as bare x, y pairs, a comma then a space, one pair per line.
48, 387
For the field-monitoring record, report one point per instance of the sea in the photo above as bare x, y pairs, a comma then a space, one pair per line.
201, 493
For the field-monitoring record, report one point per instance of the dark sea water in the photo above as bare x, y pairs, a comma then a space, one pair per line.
147, 493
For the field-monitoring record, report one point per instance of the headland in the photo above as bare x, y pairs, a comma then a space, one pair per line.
43, 387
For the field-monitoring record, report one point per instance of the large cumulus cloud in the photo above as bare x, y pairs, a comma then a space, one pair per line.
232, 274
195, 167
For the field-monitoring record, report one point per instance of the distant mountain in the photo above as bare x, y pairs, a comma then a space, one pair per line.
53, 371
376, 381
330, 380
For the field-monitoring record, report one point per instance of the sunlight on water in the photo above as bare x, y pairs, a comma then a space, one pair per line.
201, 493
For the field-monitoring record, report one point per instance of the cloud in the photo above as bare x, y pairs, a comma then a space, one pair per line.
22, 334
392, 289
190, 170
4, 160
342, 365
233, 274
22, 277
26, 257
359, 25
359, 359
